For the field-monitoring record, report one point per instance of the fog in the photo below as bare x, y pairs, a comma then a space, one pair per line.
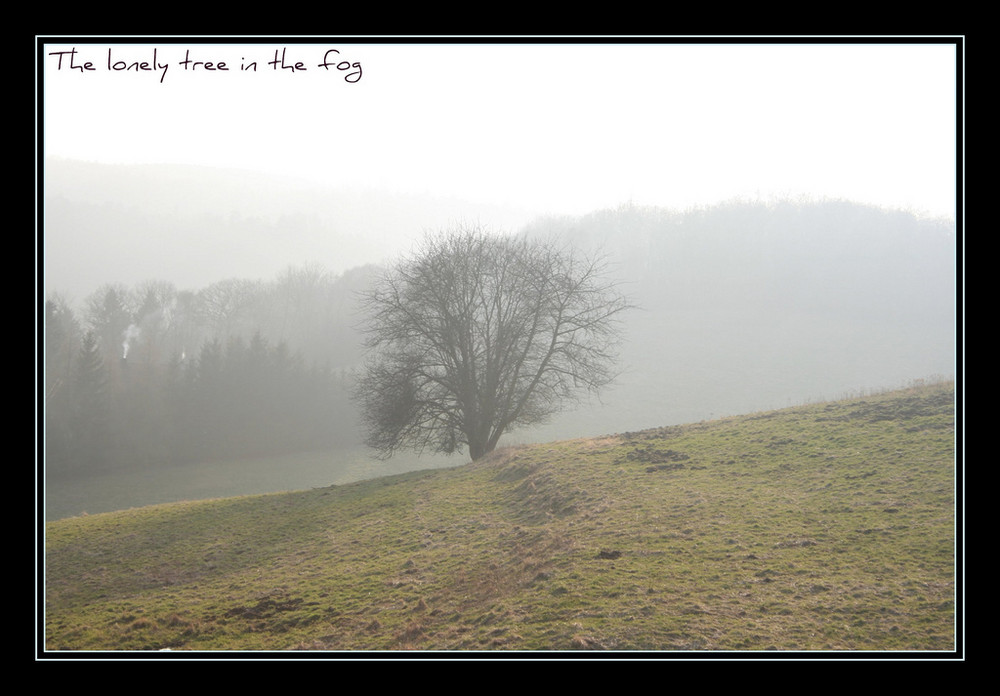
782, 215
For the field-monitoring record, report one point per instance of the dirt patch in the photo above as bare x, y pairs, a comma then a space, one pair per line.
652, 455
265, 608
659, 459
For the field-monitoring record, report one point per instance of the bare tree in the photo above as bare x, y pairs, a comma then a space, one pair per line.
226, 306
479, 333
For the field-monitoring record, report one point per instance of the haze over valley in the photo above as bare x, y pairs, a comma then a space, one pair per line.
742, 306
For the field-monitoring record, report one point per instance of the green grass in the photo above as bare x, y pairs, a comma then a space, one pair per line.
828, 527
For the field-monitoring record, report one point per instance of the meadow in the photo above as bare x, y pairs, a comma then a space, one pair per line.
830, 527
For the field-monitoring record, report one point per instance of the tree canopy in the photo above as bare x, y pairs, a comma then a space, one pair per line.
478, 333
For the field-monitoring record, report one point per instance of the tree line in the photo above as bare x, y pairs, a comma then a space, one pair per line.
477, 334
150, 375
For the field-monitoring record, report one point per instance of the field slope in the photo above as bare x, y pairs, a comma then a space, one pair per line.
829, 526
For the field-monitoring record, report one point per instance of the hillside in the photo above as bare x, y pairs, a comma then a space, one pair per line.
826, 527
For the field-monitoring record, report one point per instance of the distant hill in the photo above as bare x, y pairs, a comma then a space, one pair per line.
826, 527
192, 225
748, 306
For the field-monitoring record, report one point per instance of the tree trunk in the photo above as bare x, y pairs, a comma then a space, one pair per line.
478, 450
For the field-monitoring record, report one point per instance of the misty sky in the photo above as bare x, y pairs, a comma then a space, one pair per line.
560, 127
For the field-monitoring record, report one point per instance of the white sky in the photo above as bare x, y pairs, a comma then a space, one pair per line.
561, 127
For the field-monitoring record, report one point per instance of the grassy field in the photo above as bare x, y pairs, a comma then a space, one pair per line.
827, 527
